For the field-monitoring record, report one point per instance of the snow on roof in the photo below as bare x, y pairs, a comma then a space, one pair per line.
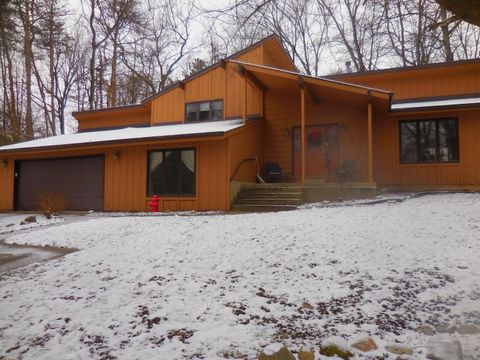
411, 105
153, 132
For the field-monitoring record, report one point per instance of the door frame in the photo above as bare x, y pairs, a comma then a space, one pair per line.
307, 126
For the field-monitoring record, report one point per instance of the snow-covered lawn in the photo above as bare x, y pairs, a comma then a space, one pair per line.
227, 285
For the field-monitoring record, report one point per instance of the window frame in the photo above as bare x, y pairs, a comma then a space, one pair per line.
437, 141
210, 117
179, 180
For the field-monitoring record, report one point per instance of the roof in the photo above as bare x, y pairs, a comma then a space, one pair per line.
406, 69
273, 37
317, 80
436, 103
127, 134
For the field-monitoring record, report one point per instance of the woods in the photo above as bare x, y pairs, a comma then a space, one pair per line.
58, 56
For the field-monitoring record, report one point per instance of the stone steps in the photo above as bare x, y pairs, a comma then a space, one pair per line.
268, 197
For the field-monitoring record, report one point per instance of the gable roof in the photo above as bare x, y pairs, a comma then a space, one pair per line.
349, 87
142, 104
272, 37
404, 69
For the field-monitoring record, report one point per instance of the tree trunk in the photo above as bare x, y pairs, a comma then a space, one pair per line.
447, 47
91, 95
28, 55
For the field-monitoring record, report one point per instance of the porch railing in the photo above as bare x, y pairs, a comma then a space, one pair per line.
255, 158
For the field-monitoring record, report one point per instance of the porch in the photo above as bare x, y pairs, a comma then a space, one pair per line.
317, 132
317, 141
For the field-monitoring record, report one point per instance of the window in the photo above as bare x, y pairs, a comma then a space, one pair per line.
204, 111
429, 141
171, 172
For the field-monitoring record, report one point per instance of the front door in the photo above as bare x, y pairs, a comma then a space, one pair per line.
321, 151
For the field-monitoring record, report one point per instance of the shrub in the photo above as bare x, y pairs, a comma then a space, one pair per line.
51, 204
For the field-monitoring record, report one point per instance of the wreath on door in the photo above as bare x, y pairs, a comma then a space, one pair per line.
315, 138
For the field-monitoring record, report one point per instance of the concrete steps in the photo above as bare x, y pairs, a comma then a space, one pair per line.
269, 197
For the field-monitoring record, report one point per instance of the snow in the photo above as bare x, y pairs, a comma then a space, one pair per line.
337, 341
9, 223
435, 103
213, 286
153, 132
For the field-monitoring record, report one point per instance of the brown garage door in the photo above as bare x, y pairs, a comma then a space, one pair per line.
78, 180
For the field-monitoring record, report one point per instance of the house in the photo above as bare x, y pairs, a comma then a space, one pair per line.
201, 140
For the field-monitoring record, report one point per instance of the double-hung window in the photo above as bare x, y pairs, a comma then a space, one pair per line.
429, 141
204, 111
171, 172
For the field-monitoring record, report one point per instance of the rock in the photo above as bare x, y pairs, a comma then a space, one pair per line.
365, 345
333, 350
425, 330
336, 346
399, 349
445, 329
29, 219
444, 348
306, 355
282, 354
468, 329
307, 306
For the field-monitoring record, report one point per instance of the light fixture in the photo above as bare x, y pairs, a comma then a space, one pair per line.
286, 132
116, 155
4, 162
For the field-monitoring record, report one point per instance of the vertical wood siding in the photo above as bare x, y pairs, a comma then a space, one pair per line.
282, 112
246, 144
125, 179
114, 119
419, 83
389, 171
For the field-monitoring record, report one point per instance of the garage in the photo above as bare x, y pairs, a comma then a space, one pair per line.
77, 183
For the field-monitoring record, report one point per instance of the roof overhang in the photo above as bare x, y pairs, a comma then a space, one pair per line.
126, 136
317, 90
436, 104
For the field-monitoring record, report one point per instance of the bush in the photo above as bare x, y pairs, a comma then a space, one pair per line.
51, 204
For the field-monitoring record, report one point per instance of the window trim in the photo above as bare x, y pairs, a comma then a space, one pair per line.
198, 112
179, 182
437, 141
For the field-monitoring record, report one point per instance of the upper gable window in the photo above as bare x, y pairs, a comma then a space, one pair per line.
204, 111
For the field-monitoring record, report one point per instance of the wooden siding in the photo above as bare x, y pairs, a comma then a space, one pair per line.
212, 175
283, 112
113, 119
419, 83
274, 55
168, 108
389, 171
246, 144
6, 185
126, 178
218, 84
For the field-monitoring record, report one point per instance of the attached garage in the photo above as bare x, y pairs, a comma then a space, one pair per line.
78, 181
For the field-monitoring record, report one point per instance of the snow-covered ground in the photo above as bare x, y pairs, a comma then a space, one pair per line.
225, 286
11, 223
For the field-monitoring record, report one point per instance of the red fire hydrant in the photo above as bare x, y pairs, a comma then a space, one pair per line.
154, 203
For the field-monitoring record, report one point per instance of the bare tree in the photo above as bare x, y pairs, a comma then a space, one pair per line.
117, 19
162, 45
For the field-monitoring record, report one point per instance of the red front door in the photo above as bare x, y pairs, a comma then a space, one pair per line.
321, 151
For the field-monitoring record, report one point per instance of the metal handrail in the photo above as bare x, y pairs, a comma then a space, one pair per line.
255, 158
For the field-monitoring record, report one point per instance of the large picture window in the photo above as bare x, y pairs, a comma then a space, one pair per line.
429, 141
171, 172
204, 111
